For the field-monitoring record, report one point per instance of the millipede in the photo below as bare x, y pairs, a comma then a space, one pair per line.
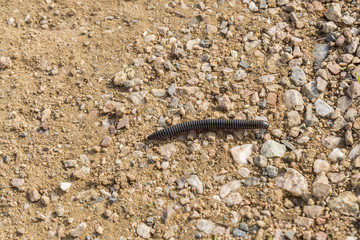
208, 124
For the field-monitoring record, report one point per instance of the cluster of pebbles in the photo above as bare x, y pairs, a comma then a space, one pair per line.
75, 162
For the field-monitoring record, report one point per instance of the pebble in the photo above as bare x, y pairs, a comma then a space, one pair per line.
304, 222
138, 97
314, 211
205, 226
322, 108
298, 76
17, 182
237, 233
241, 153
167, 150
167, 214
120, 78
106, 142
240, 75
243, 172
320, 52
331, 142
78, 230
143, 230
311, 90
260, 161
65, 186
5, 62
355, 152
321, 166
354, 90
334, 12
33, 195
292, 99
228, 187
272, 149
233, 199
123, 122
293, 118
345, 203
336, 177
344, 103
267, 78
321, 187
195, 182
225, 103
271, 171
293, 182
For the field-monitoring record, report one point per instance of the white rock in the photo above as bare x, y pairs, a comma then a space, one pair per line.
143, 230
65, 186
244, 172
228, 187
205, 226
241, 153
293, 182
321, 166
322, 108
195, 182
355, 152
336, 155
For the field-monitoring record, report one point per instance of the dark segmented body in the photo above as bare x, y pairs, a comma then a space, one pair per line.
208, 124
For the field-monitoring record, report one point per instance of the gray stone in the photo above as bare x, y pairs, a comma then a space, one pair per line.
310, 117
272, 149
339, 124
272, 171
292, 99
311, 90
205, 226
354, 90
133, 82
346, 203
267, 78
304, 222
321, 166
320, 52
329, 27
172, 89
336, 155
260, 161
167, 150
195, 182
159, 92
344, 103
33, 195
353, 45
331, 142
143, 230
293, 182
138, 97
250, 45
252, 181
323, 109
237, 233
298, 76
243, 172
334, 12
355, 152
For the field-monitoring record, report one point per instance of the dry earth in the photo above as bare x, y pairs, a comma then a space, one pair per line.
83, 83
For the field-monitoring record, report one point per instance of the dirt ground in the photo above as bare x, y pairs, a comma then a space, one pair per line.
58, 126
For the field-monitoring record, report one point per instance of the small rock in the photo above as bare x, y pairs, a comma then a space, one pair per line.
233, 199
293, 182
123, 122
272, 149
237, 233
205, 226
345, 203
99, 229
267, 78
314, 211
120, 78
241, 153
355, 152
298, 76
292, 99
5, 62
167, 150
304, 222
260, 161
321, 166
320, 52
321, 187
311, 90
344, 103
33, 195
228, 187
271, 171
322, 108
331, 142
167, 214
143, 230
65, 186
138, 97
239, 75
106, 142
336, 177
17, 182
354, 90
243, 172
195, 182
310, 117
78, 231
293, 118
334, 12
225, 103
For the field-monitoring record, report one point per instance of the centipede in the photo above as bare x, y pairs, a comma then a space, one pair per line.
208, 124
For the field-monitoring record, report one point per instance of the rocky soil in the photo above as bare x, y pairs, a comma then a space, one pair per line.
83, 83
